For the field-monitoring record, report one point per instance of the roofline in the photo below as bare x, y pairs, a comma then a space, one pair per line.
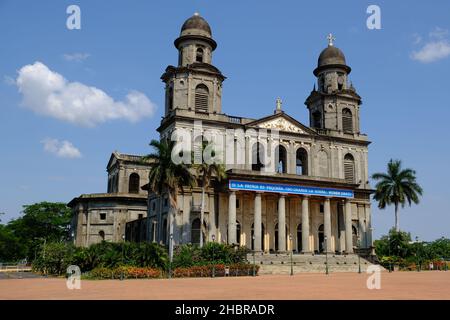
106, 196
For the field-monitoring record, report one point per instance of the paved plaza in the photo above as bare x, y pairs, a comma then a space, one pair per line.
396, 285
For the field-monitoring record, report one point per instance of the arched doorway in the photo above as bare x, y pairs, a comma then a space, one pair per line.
354, 236
299, 238
238, 232
101, 234
262, 237
321, 237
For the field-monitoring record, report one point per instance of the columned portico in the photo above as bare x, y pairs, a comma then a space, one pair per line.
327, 223
348, 227
305, 225
282, 223
257, 223
232, 217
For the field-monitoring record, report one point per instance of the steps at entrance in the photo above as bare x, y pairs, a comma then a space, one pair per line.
281, 263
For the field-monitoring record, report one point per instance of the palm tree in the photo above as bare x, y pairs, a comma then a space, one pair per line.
165, 176
205, 172
396, 187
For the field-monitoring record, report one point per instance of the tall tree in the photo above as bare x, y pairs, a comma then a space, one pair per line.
398, 186
166, 176
205, 171
43, 221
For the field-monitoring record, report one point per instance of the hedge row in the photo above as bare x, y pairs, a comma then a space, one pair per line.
218, 269
125, 272
128, 272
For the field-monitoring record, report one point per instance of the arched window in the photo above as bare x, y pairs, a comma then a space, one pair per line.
164, 231
101, 234
301, 162
354, 236
201, 98
299, 238
317, 119
280, 159
199, 55
321, 238
349, 168
258, 156
262, 236
133, 183
347, 121
195, 231
238, 232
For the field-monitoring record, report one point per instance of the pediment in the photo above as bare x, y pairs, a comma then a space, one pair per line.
281, 124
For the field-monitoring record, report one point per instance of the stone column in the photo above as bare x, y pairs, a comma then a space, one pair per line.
282, 223
348, 227
257, 223
327, 223
232, 217
305, 225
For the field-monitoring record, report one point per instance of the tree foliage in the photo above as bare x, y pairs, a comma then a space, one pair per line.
40, 222
396, 187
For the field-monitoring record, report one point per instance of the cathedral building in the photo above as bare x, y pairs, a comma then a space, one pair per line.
314, 197
292, 186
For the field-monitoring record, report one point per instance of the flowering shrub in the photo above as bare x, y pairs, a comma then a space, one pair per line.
125, 272
219, 270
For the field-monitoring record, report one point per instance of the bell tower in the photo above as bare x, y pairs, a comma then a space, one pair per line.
194, 84
334, 106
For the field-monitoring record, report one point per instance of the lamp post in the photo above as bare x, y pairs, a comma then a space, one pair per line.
123, 256
290, 243
389, 250
213, 267
326, 254
170, 262
419, 261
253, 253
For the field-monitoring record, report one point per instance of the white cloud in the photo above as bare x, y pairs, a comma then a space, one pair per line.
437, 47
49, 93
62, 149
77, 57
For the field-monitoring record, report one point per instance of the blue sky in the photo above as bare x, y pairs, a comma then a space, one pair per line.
265, 48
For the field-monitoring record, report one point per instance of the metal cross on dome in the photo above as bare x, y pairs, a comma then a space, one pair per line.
330, 38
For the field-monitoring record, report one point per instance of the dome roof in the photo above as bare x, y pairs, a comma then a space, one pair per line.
331, 56
196, 25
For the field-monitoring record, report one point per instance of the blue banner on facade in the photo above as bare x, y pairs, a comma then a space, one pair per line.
286, 188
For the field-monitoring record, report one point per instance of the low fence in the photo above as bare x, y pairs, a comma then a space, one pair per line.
14, 267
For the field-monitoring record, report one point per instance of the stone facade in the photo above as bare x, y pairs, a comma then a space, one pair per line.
103, 216
330, 153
